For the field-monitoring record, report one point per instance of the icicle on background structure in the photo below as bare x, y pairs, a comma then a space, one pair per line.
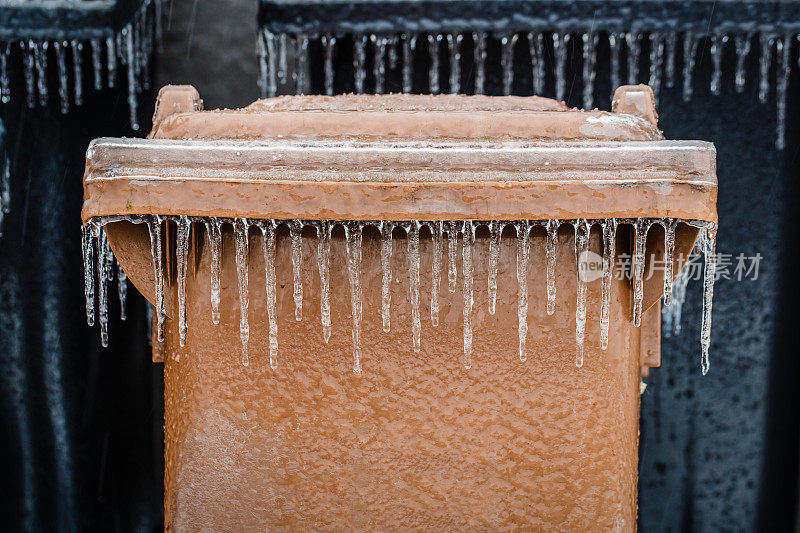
393, 57
99, 269
101, 60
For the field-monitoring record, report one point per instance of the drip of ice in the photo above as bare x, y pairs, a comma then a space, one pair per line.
302, 63
5, 81
437, 229
522, 289
689, 55
495, 231
122, 292
452, 249
672, 315
656, 62
614, 47
379, 62
133, 85
784, 50
77, 70
413, 274
717, 49
479, 43
103, 262
640, 240
589, 63
536, 51
154, 228
609, 250
354, 231
5, 190
88, 234
111, 58
271, 81
323, 264
507, 43
634, 41
466, 256
742, 43
63, 81
671, 44
409, 45
359, 62
240, 228
386, 228
328, 43
669, 251
454, 47
268, 230
97, 63
764, 62
560, 43
30, 77
283, 58
433, 67
214, 230
295, 231
708, 246
40, 60
582, 229
182, 252
550, 251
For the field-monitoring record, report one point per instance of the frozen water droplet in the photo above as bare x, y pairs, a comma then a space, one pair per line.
641, 227
386, 228
214, 229
434, 41
479, 43
295, 231
103, 263
268, 231
522, 287
111, 61
717, 49
507, 43
122, 292
609, 250
669, 251
328, 43
323, 264
413, 273
589, 72
354, 231
40, 60
452, 249
133, 83
182, 252
77, 70
359, 62
438, 242
240, 228
709, 246
764, 62
536, 51
97, 63
742, 51
466, 260
154, 228
550, 251
88, 234
495, 231
454, 47
582, 229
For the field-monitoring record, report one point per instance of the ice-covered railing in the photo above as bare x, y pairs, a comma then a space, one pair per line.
113, 39
658, 43
445, 236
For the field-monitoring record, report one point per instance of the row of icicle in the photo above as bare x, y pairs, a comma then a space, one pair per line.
668, 51
97, 254
130, 48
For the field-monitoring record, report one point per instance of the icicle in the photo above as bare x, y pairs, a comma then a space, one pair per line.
214, 230
40, 59
111, 58
63, 81
560, 44
379, 62
5, 190
154, 228
295, 231
77, 69
582, 229
656, 62
742, 51
495, 231
409, 45
709, 246
641, 226
672, 314
452, 249
669, 251
671, 46
437, 228
609, 236
133, 84
240, 227
589, 73
88, 234
301, 57
550, 250
717, 49
283, 58
522, 287
614, 45
182, 253
354, 231
359, 62
454, 47
507, 43
5, 81
479, 43
689, 54
328, 43
466, 257
634, 41
323, 263
413, 274
97, 63
122, 292
392, 43
784, 51
103, 260
268, 231
30, 77
433, 67
386, 228
272, 65
764, 62
261, 53
536, 50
